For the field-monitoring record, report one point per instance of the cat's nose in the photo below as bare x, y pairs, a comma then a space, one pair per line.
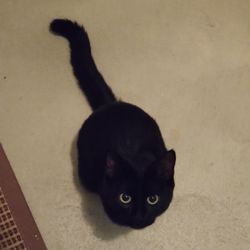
139, 223
138, 215
139, 218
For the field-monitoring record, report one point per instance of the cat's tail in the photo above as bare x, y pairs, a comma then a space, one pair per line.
89, 78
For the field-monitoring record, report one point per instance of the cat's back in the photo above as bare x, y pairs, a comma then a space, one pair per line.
120, 117
120, 125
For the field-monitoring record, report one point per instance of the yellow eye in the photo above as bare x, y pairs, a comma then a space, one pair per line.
153, 199
125, 198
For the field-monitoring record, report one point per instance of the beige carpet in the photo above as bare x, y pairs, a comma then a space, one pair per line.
187, 63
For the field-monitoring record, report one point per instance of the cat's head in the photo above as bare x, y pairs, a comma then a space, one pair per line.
135, 195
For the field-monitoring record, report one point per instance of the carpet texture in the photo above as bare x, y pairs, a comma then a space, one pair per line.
187, 63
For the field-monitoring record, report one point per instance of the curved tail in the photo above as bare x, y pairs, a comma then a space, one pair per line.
89, 78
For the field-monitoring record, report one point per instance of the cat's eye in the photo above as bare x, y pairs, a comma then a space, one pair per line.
125, 198
153, 199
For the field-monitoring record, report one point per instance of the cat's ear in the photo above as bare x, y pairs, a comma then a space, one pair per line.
167, 164
110, 165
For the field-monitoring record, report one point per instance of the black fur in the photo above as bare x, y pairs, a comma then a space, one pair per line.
89, 78
120, 147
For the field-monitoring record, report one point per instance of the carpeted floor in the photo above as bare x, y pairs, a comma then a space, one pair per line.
187, 63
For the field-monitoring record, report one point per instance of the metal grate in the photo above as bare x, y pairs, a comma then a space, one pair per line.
18, 230
10, 237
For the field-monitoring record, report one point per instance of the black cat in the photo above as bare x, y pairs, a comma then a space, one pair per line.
121, 153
